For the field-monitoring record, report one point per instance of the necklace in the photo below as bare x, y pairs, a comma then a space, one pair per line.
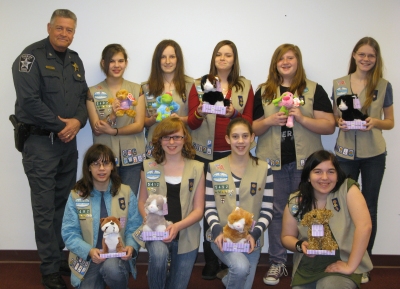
170, 85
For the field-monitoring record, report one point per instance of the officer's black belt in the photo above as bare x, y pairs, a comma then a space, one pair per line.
38, 131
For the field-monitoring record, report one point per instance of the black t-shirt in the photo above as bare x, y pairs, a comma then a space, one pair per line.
288, 152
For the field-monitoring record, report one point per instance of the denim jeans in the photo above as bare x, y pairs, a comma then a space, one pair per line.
180, 270
329, 282
242, 267
113, 272
372, 170
286, 181
130, 175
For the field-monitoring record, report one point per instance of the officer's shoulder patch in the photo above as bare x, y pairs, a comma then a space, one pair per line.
26, 62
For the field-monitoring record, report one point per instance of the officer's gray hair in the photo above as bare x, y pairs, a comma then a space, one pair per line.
65, 13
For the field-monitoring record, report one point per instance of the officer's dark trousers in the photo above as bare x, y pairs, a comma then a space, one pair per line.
51, 171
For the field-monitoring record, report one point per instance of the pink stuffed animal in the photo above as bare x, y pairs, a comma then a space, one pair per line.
286, 101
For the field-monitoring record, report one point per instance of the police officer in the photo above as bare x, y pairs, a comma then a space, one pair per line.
51, 90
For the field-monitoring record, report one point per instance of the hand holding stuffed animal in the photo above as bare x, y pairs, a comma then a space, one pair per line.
211, 87
238, 226
126, 100
111, 239
155, 221
286, 101
165, 106
345, 104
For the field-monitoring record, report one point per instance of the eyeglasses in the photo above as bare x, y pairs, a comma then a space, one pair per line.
369, 56
98, 164
174, 137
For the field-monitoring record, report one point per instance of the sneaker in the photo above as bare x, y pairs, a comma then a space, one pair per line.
221, 274
274, 273
53, 281
365, 278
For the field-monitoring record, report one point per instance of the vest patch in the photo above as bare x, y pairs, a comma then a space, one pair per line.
122, 203
253, 189
341, 91
221, 187
100, 95
191, 184
82, 203
153, 184
79, 265
336, 204
153, 175
240, 97
220, 177
26, 62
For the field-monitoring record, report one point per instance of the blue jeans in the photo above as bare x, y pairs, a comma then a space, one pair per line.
180, 270
114, 272
286, 181
242, 267
329, 282
130, 175
372, 170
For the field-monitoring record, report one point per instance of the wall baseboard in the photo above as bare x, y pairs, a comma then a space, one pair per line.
32, 256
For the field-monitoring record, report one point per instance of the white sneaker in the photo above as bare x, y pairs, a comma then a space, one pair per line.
274, 273
365, 278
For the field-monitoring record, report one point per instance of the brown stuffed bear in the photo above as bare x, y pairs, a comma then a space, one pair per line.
112, 242
126, 100
238, 226
324, 240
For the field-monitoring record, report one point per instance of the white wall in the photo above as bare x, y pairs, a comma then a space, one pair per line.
326, 32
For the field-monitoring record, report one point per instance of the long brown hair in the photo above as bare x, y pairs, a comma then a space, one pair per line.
95, 153
234, 76
156, 79
169, 126
274, 79
374, 74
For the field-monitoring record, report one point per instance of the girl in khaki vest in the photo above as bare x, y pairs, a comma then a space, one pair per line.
286, 148
364, 151
174, 174
324, 185
123, 134
97, 195
167, 75
208, 130
239, 180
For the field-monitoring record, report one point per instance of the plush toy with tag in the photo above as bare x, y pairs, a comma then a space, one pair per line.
165, 106
111, 239
345, 103
211, 87
155, 220
238, 226
126, 100
320, 241
286, 101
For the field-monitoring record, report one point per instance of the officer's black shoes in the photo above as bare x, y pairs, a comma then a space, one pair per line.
210, 270
64, 268
53, 281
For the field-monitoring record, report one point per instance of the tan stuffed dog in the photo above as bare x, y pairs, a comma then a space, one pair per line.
319, 217
112, 242
126, 100
238, 227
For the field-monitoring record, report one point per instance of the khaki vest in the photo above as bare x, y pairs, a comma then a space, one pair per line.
128, 149
251, 189
356, 143
189, 238
203, 137
341, 225
86, 222
150, 99
306, 142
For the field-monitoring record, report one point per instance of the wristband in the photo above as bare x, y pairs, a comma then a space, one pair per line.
116, 132
196, 115
298, 246
110, 122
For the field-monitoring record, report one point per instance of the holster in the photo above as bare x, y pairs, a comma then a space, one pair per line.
21, 132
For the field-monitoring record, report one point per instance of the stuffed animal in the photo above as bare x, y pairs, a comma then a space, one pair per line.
126, 100
238, 226
111, 239
165, 106
318, 238
154, 207
211, 87
286, 101
345, 104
